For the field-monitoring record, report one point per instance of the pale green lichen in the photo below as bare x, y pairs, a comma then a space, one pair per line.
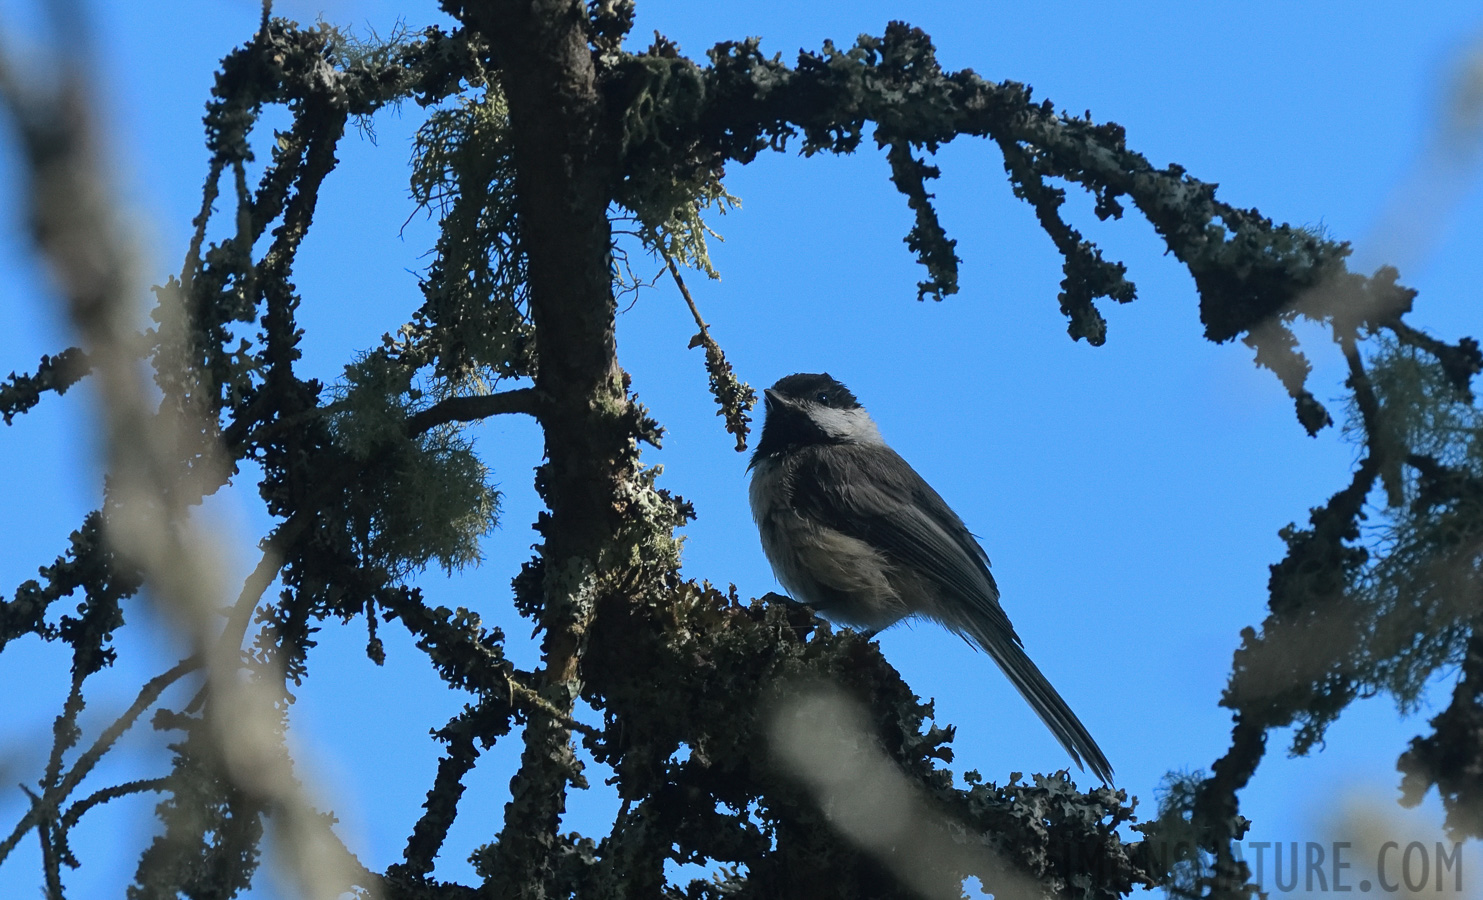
420, 498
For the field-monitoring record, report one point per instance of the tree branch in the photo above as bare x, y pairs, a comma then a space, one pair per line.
474, 408
735, 397
57, 373
43, 808
77, 810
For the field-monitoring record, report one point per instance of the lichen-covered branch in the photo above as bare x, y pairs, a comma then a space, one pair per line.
564, 175
734, 396
551, 130
1253, 276
475, 407
1449, 758
19, 393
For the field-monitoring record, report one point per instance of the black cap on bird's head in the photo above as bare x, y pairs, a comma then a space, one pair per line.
807, 387
810, 408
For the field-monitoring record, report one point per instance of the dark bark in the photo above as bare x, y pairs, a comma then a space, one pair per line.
683, 675
564, 173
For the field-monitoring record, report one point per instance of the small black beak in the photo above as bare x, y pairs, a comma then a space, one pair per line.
771, 399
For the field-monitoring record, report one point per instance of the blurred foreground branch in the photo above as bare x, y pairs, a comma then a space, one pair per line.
80, 230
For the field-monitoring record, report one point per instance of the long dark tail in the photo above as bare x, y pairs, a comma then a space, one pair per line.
1043, 698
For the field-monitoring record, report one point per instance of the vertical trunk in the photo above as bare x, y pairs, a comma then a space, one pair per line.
564, 177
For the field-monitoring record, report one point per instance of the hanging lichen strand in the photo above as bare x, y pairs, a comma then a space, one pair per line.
545, 131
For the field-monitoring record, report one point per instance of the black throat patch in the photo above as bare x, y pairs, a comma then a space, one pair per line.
786, 426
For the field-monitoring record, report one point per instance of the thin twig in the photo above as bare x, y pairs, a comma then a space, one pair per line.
148, 694
245, 231
51, 866
705, 332
65, 733
198, 236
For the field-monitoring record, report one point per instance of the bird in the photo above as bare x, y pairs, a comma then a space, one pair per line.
853, 531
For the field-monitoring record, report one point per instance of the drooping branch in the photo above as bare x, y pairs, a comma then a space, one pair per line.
1088, 275
926, 238
734, 396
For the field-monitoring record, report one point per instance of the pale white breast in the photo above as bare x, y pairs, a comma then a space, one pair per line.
838, 575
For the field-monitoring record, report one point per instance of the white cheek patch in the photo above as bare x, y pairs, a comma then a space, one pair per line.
853, 425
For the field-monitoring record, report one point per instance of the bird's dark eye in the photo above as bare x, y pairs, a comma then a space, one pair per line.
824, 398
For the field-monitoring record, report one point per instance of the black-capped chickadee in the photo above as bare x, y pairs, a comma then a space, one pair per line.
853, 531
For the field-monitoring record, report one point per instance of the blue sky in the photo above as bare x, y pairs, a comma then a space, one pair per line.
1129, 495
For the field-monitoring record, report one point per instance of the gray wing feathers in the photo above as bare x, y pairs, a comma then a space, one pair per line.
1043, 698
895, 509
890, 506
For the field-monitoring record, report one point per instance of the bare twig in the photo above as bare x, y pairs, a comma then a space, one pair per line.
674, 271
